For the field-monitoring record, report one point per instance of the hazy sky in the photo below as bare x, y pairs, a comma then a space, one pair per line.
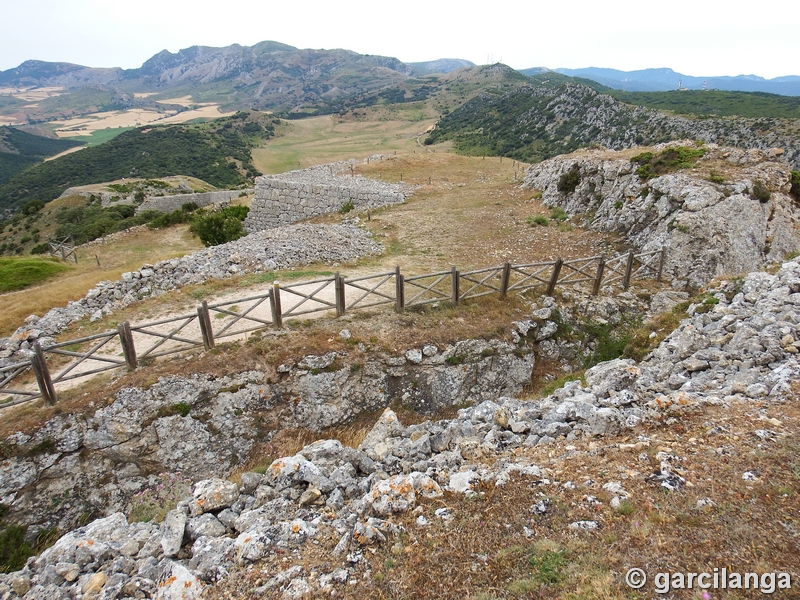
695, 37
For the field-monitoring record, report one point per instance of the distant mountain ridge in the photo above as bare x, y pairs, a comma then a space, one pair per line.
663, 80
442, 65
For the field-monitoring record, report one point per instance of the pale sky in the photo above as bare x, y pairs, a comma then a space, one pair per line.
694, 37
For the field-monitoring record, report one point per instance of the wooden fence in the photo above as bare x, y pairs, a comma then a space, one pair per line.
64, 248
131, 346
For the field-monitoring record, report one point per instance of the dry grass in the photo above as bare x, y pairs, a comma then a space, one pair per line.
124, 254
483, 552
331, 138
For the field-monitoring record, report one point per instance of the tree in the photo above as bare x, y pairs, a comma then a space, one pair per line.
220, 227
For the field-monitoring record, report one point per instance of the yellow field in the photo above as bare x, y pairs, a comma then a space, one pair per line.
329, 138
135, 117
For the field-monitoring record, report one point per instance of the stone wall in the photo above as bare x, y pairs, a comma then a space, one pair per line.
299, 195
169, 204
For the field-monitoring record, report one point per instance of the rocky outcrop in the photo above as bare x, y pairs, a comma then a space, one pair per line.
204, 426
710, 228
742, 347
262, 251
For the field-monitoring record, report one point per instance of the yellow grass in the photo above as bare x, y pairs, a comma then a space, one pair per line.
125, 254
332, 138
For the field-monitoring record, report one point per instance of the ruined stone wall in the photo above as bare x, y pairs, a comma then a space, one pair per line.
299, 195
169, 204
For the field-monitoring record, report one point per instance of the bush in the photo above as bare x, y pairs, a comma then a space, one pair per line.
538, 220
347, 207
796, 184
569, 180
558, 214
668, 161
220, 227
760, 191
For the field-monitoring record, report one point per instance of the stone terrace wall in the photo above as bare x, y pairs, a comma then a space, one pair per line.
168, 204
299, 195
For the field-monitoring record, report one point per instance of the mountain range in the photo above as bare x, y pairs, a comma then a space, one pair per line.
276, 75
664, 80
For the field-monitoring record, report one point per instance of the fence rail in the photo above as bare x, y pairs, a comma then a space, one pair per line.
131, 346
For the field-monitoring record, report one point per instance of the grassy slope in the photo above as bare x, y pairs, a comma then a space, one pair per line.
124, 253
17, 273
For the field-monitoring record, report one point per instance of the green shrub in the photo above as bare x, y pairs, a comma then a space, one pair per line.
220, 227
715, 177
796, 184
558, 214
538, 220
670, 160
760, 191
569, 180
347, 207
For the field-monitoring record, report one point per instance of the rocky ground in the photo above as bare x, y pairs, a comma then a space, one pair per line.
734, 355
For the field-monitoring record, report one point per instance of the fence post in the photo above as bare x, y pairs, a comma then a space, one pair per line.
204, 319
454, 291
126, 341
504, 279
338, 287
42, 374
275, 301
601, 266
661, 260
399, 291
626, 281
554, 277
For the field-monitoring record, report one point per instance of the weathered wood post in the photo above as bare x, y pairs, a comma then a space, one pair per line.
626, 281
275, 302
661, 260
399, 291
505, 278
551, 286
42, 374
204, 319
455, 276
338, 286
126, 341
598, 279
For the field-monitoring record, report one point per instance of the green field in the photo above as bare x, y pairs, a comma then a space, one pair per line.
101, 135
19, 273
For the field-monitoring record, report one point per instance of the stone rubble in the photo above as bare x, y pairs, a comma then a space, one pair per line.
747, 339
272, 250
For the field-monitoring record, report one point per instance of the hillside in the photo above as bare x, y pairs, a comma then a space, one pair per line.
715, 103
19, 150
217, 152
541, 120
